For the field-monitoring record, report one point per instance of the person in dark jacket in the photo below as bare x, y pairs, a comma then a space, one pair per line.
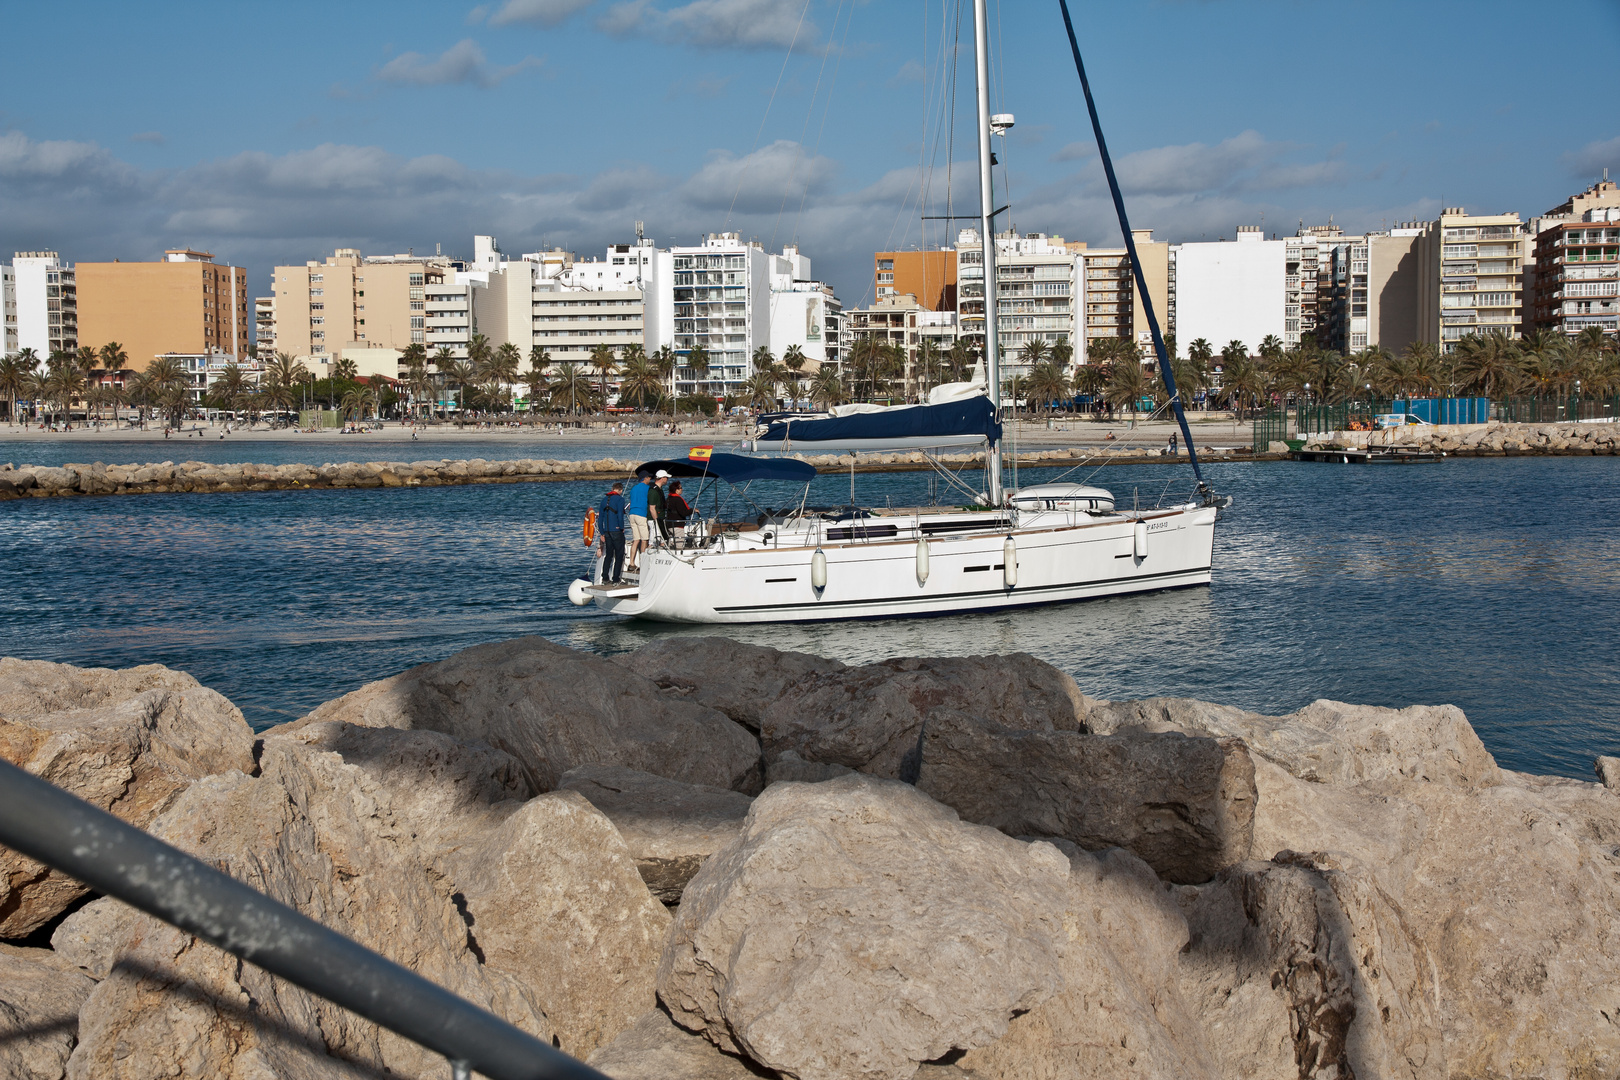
610, 517
676, 511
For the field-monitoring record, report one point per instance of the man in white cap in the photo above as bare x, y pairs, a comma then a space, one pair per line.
655, 503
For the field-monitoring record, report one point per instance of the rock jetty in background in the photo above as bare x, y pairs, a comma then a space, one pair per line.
1495, 439
960, 869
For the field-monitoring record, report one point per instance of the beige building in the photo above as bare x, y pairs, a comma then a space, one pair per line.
1113, 306
350, 301
186, 304
1370, 290
1471, 276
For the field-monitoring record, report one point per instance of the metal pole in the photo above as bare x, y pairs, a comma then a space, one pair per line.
992, 345
47, 824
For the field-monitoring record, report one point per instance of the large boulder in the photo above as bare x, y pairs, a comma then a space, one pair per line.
1305, 968
857, 928
553, 897
40, 996
669, 827
871, 718
738, 679
1185, 805
126, 741
1121, 1013
319, 835
553, 709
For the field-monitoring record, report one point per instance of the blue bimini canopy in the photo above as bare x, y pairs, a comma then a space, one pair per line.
735, 468
903, 427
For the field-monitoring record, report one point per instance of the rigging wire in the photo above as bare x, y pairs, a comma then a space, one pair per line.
760, 133
826, 107
809, 113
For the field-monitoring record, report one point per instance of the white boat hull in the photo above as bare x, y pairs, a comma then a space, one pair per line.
1060, 558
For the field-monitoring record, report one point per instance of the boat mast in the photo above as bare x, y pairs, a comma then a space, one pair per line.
987, 233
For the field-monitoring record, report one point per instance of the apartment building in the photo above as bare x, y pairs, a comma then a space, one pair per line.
1035, 290
8, 310
1112, 303
1574, 281
624, 298
264, 328
350, 299
930, 276
185, 304
1230, 290
47, 296
903, 322
721, 303
1369, 289
1308, 281
1471, 276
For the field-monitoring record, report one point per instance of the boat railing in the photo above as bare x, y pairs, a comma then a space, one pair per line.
114, 858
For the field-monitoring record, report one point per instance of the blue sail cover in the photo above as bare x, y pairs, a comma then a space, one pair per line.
904, 427
734, 468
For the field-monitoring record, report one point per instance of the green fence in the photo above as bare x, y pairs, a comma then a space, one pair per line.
1269, 427
1556, 410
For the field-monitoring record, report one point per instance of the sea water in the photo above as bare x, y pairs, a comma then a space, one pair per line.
1492, 584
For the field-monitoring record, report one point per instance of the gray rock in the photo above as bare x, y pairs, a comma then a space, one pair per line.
40, 998
790, 767
870, 718
740, 680
553, 709
669, 827
126, 741
1608, 771
1303, 750
656, 1048
857, 928
1184, 805
1430, 743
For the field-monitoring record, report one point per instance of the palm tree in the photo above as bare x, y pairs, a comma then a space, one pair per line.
1127, 383
1048, 383
827, 388
14, 373
1488, 363
642, 383
760, 390
114, 360
1243, 383
698, 360
536, 378
170, 386
793, 361
231, 387
665, 362
358, 401
763, 358
479, 350
603, 360
1034, 352
571, 384
344, 370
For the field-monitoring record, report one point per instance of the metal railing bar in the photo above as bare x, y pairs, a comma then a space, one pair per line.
54, 827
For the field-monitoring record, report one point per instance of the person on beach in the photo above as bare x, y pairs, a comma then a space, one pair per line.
1172, 444
655, 504
676, 512
610, 526
638, 522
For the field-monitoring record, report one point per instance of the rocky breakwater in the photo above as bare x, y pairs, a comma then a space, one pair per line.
1494, 439
708, 860
99, 478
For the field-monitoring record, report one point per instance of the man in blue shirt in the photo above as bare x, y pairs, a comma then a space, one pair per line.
638, 521
610, 521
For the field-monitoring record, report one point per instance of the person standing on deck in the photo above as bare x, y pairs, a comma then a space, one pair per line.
610, 522
638, 521
655, 504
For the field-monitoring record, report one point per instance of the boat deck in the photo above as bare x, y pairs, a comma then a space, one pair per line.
1366, 457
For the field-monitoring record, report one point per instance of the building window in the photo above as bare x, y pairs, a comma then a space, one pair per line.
416, 279
416, 322
416, 305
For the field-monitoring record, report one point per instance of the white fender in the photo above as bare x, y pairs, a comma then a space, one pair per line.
1139, 540
818, 570
1009, 562
922, 561
577, 594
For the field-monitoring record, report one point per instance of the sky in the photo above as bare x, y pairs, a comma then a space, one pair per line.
275, 133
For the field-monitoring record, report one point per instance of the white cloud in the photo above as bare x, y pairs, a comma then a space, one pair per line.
463, 62
1594, 157
543, 12
760, 182
155, 138
716, 24
910, 72
1075, 151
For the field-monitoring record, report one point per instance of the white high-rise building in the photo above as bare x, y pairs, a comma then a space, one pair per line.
722, 304
47, 303
1232, 291
8, 307
804, 312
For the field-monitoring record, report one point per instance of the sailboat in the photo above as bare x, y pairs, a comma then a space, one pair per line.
998, 549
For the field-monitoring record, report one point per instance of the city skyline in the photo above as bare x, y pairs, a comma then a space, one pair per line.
563, 122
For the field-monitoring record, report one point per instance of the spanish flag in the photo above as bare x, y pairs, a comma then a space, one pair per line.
700, 453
